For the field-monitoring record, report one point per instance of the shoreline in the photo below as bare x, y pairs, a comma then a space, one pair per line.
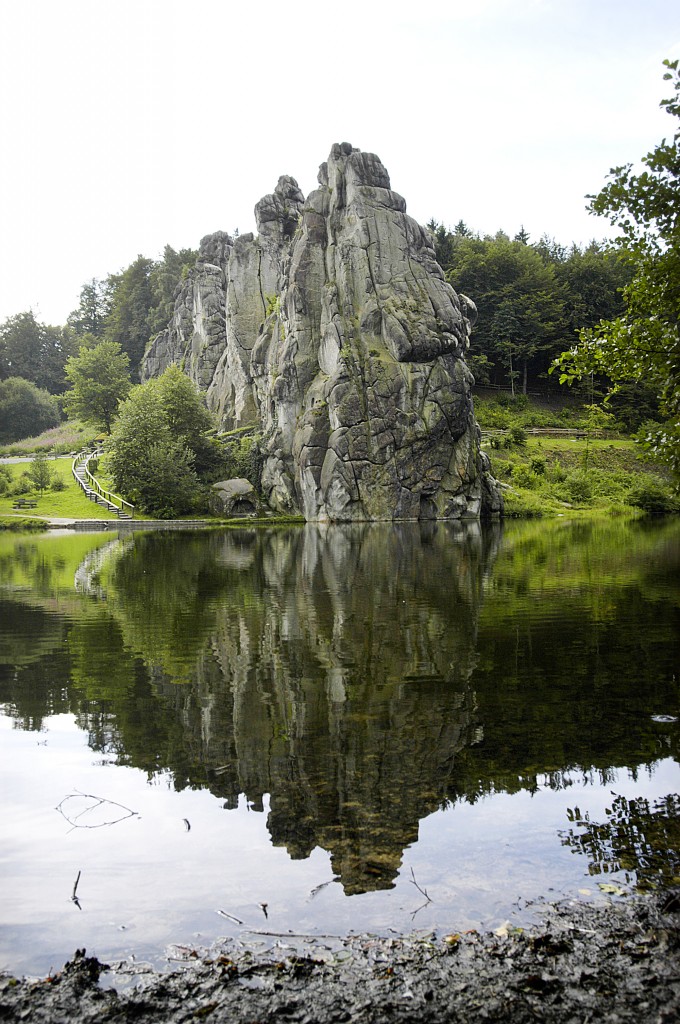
616, 962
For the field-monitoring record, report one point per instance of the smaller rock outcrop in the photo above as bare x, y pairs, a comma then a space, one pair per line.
235, 497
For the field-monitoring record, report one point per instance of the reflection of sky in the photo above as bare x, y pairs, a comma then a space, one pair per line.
147, 881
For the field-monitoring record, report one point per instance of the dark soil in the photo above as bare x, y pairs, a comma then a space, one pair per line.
614, 963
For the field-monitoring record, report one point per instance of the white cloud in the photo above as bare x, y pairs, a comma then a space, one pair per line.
127, 124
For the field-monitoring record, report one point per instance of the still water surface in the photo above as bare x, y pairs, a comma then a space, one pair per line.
284, 730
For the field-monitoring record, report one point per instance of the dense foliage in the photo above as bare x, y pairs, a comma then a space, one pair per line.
160, 448
642, 343
35, 351
25, 409
132, 306
532, 299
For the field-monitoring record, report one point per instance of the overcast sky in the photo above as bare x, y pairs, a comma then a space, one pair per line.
129, 124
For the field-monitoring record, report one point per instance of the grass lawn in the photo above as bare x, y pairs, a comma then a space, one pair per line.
70, 503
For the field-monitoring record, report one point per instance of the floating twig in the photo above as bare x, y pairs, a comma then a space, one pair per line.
98, 801
230, 917
322, 885
292, 935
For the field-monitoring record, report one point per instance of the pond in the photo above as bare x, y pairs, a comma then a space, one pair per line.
322, 729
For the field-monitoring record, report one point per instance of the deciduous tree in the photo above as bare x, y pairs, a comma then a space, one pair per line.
643, 343
40, 472
100, 380
35, 351
25, 410
159, 446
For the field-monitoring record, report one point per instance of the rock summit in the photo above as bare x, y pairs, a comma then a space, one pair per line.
334, 334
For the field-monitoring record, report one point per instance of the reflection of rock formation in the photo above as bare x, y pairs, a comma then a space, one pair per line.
338, 683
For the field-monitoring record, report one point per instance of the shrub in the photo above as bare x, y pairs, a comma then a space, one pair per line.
578, 486
556, 473
243, 457
501, 468
22, 485
538, 464
523, 476
5, 479
524, 503
653, 497
515, 402
517, 437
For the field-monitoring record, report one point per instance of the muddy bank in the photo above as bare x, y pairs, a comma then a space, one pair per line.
617, 962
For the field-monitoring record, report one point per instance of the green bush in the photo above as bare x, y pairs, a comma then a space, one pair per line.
523, 476
538, 464
653, 497
517, 437
515, 402
555, 472
523, 504
5, 479
58, 484
22, 485
578, 486
491, 416
501, 468
243, 457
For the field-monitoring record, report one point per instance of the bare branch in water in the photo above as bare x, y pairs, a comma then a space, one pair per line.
74, 898
424, 892
96, 802
318, 888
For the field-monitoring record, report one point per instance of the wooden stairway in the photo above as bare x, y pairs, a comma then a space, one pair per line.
93, 489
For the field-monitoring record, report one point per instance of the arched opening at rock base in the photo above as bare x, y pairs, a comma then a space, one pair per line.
428, 509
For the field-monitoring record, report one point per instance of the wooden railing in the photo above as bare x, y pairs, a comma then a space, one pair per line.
82, 461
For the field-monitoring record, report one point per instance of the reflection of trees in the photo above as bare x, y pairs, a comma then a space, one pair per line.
574, 653
642, 840
352, 673
33, 666
330, 674
162, 590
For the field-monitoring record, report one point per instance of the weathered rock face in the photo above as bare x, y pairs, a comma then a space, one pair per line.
334, 331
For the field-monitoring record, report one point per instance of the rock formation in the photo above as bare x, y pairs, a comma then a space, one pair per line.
334, 332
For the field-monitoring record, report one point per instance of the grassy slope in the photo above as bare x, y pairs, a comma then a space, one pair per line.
70, 436
568, 475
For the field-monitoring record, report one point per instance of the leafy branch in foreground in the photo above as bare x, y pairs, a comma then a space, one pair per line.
643, 344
